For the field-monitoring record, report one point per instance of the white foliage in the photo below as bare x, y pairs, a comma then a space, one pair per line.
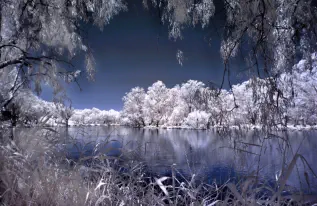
188, 92
180, 57
203, 12
191, 104
197, 120
133, 106
90, 65
176, 118
179, 13
253, 102
155, 103
44, 34
95, 116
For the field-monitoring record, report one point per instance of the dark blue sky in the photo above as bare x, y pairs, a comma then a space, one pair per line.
128, 53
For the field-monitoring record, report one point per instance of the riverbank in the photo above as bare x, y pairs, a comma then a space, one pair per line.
242, 126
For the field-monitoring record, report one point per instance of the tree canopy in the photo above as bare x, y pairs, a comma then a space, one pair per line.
39, 38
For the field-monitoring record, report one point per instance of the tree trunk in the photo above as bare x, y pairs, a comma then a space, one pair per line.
66, 121
14, 117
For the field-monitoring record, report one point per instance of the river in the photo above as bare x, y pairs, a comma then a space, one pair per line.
210, 155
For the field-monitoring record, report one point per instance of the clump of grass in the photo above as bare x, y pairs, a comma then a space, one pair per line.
26, 178
33, 172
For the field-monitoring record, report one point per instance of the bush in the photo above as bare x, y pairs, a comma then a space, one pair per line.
197, 120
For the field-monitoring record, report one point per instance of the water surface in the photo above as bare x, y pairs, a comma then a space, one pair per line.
209, 155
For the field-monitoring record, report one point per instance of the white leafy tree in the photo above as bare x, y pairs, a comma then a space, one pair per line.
274, 30
246, 111
10, 83
176, 109
155, 104
27, 108
65, 113
197, 119
180, 13
189, 92
302, 109
95, 116
37, 34
38, 39
133, 103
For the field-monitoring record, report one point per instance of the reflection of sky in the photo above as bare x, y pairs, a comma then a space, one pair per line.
128, 53
206, 153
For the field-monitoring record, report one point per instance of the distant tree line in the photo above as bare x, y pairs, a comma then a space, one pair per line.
190, 104
252, 102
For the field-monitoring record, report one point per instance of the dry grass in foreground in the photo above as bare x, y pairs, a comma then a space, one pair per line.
33, 172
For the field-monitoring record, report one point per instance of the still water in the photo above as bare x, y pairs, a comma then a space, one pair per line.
210, 155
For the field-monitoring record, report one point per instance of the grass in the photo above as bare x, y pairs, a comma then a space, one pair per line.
33, 172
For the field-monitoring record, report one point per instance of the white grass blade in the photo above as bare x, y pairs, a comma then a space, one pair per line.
214, 203
100, 184
87, 196
160, 184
